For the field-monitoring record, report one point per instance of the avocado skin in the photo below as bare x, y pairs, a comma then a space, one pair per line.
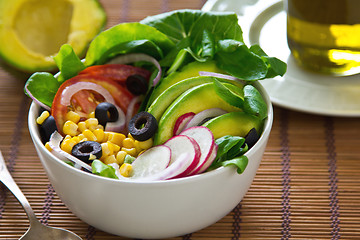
234, 124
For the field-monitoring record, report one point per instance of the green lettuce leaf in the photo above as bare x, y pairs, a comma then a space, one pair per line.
43, 86
101, 169
213, 35
125, 38
231, 151
254, 102
68, 63
229, 94
200, 29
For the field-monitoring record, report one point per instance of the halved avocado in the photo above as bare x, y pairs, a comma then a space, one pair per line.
32, 31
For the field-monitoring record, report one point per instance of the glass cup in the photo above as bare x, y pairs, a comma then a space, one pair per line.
324, 35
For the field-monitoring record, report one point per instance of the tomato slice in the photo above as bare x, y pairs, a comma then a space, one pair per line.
84, 101
116, 72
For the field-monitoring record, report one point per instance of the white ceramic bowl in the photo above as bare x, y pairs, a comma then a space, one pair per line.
154, 210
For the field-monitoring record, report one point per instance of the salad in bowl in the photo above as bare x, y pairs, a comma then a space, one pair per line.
158, 110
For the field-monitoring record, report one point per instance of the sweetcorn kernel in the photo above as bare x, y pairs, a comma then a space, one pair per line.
67, 145
91, 123
47, 146
126, 169
76, 139
67, 137
116, 138
82, 126
72, 116
113, 147
130, 151
120, 157
89, 135
106, 150
82, 137
130, 136
70, 128
44, 115
91, 115
128, 143
109, 159
99, 134
146, 144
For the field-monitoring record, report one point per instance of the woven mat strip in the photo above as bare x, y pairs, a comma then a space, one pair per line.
20, 120
286, 179
334, 203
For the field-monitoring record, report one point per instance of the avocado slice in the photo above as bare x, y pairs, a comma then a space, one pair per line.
190, 70
234, 124
162, 102
31, 32
196, 99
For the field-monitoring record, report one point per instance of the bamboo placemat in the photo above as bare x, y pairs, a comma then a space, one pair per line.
307, 187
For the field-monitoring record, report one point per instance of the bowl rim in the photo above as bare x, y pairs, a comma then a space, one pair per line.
203, 176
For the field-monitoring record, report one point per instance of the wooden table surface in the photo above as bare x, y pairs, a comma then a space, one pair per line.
307, 187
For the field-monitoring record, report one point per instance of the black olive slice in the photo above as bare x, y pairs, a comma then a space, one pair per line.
142, 126
106, 112
47, 128
252, 137
137, 84
85, 150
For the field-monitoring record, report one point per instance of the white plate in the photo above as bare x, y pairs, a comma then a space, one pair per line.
264, 22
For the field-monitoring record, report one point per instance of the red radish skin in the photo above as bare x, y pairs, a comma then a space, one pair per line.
152, 161
205, 139
209, 161
181, 122
183, 144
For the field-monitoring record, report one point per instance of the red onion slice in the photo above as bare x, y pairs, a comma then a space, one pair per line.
201, 116
131, 108
136, 57
220, 75
74, 88
119, 125
54, 143
35, 99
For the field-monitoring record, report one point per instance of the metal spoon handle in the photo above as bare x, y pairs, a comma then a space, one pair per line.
8, 181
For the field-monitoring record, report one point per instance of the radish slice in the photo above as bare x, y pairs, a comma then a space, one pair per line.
201, 116
179, 166
209, 161
180, 144
136, 57
74, 88
204, 137
152, 161
119, 125
54, 143
182, 121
